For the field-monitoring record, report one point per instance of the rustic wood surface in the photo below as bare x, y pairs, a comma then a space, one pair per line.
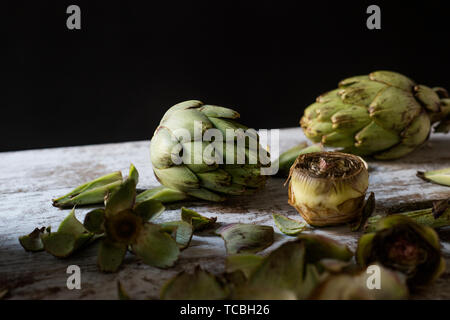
29, 179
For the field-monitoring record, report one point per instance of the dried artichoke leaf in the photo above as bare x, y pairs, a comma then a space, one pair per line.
246, 263
441, 176
110, 255
289, 226
201, 285
94, 221
246, 238
198, 221
149, 210
155, 247
181, 231
33, 242
121, 199
282, 269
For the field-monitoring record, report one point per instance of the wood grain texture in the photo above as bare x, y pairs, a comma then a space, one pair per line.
29, 179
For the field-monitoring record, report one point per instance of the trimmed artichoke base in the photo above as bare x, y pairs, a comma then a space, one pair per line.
328, 197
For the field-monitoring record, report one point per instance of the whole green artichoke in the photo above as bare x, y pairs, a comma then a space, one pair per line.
383, 114
214, 177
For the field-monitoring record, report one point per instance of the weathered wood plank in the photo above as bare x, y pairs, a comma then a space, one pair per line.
29, 179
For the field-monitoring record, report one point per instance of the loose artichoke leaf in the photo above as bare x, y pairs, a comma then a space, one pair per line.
310, 281
121, 199
201, 285
67, 200
181, 232
282, 269
319, 247
425, 217
246, 263
441, 176
163, 194
287, 158
246, 238
133, 174
155, 247
198, 221
121, 293
90, 197
367, 211
289, 226
110, 255
350, 287
71, 225
94, 221
60, 245
33, 242
149, 209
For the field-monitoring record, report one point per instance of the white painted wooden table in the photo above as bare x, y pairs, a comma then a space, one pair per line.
29, 179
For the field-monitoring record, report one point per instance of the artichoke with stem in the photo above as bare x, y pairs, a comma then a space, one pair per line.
183, 160
384, 114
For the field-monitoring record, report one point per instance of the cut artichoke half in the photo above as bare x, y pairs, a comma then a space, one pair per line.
328, 188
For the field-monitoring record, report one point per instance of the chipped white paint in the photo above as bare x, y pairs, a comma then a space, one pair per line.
29, 179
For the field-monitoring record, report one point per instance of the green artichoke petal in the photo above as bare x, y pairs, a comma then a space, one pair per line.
332, 95
247, 176
317, 129
155, 247
178, 177
394, 109
162, 146
428, 97
201, 285
393, 79
94, 221
247, 263
121, 199
181, 231
352, 80
149, 209
328, 109
187, 120
414, 135
163, 194
206, 194
350, 119
361, 93
67, 200
197, 160
338, 139
219, 112
110, 255
189, 104
375, 138
282, 269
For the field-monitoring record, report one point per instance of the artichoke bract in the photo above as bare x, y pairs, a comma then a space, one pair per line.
383, 114
202, 151
401, 244
328, 188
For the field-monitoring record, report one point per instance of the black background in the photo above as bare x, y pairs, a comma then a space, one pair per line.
113, 79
